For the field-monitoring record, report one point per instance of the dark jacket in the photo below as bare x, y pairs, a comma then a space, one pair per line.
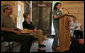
28, 26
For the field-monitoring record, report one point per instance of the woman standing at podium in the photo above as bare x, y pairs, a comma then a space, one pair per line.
56, 14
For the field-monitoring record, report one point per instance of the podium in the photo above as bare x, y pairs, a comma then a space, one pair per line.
64, 32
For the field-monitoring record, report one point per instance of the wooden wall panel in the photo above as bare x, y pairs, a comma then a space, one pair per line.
75, 8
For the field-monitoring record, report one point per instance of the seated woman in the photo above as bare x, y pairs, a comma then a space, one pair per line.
76, 28
78, 31
77, 42
36, 33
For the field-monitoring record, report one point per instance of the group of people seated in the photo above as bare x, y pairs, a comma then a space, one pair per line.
77, 40
12, 33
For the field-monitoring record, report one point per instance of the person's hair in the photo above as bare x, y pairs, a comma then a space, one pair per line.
25, 15
5, 6
55, 8
74, 17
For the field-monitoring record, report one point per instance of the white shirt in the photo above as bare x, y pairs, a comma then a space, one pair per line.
74, 25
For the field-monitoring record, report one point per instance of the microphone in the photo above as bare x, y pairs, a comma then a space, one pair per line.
62, 8
66, 10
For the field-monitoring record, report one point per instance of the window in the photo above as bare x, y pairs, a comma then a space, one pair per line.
20, 15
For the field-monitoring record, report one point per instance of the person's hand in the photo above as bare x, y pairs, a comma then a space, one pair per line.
81, 41
18, 29
35, 30
17, 32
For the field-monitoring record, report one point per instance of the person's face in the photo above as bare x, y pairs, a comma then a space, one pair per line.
28, 17
74, 19
9, 10
58, 6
